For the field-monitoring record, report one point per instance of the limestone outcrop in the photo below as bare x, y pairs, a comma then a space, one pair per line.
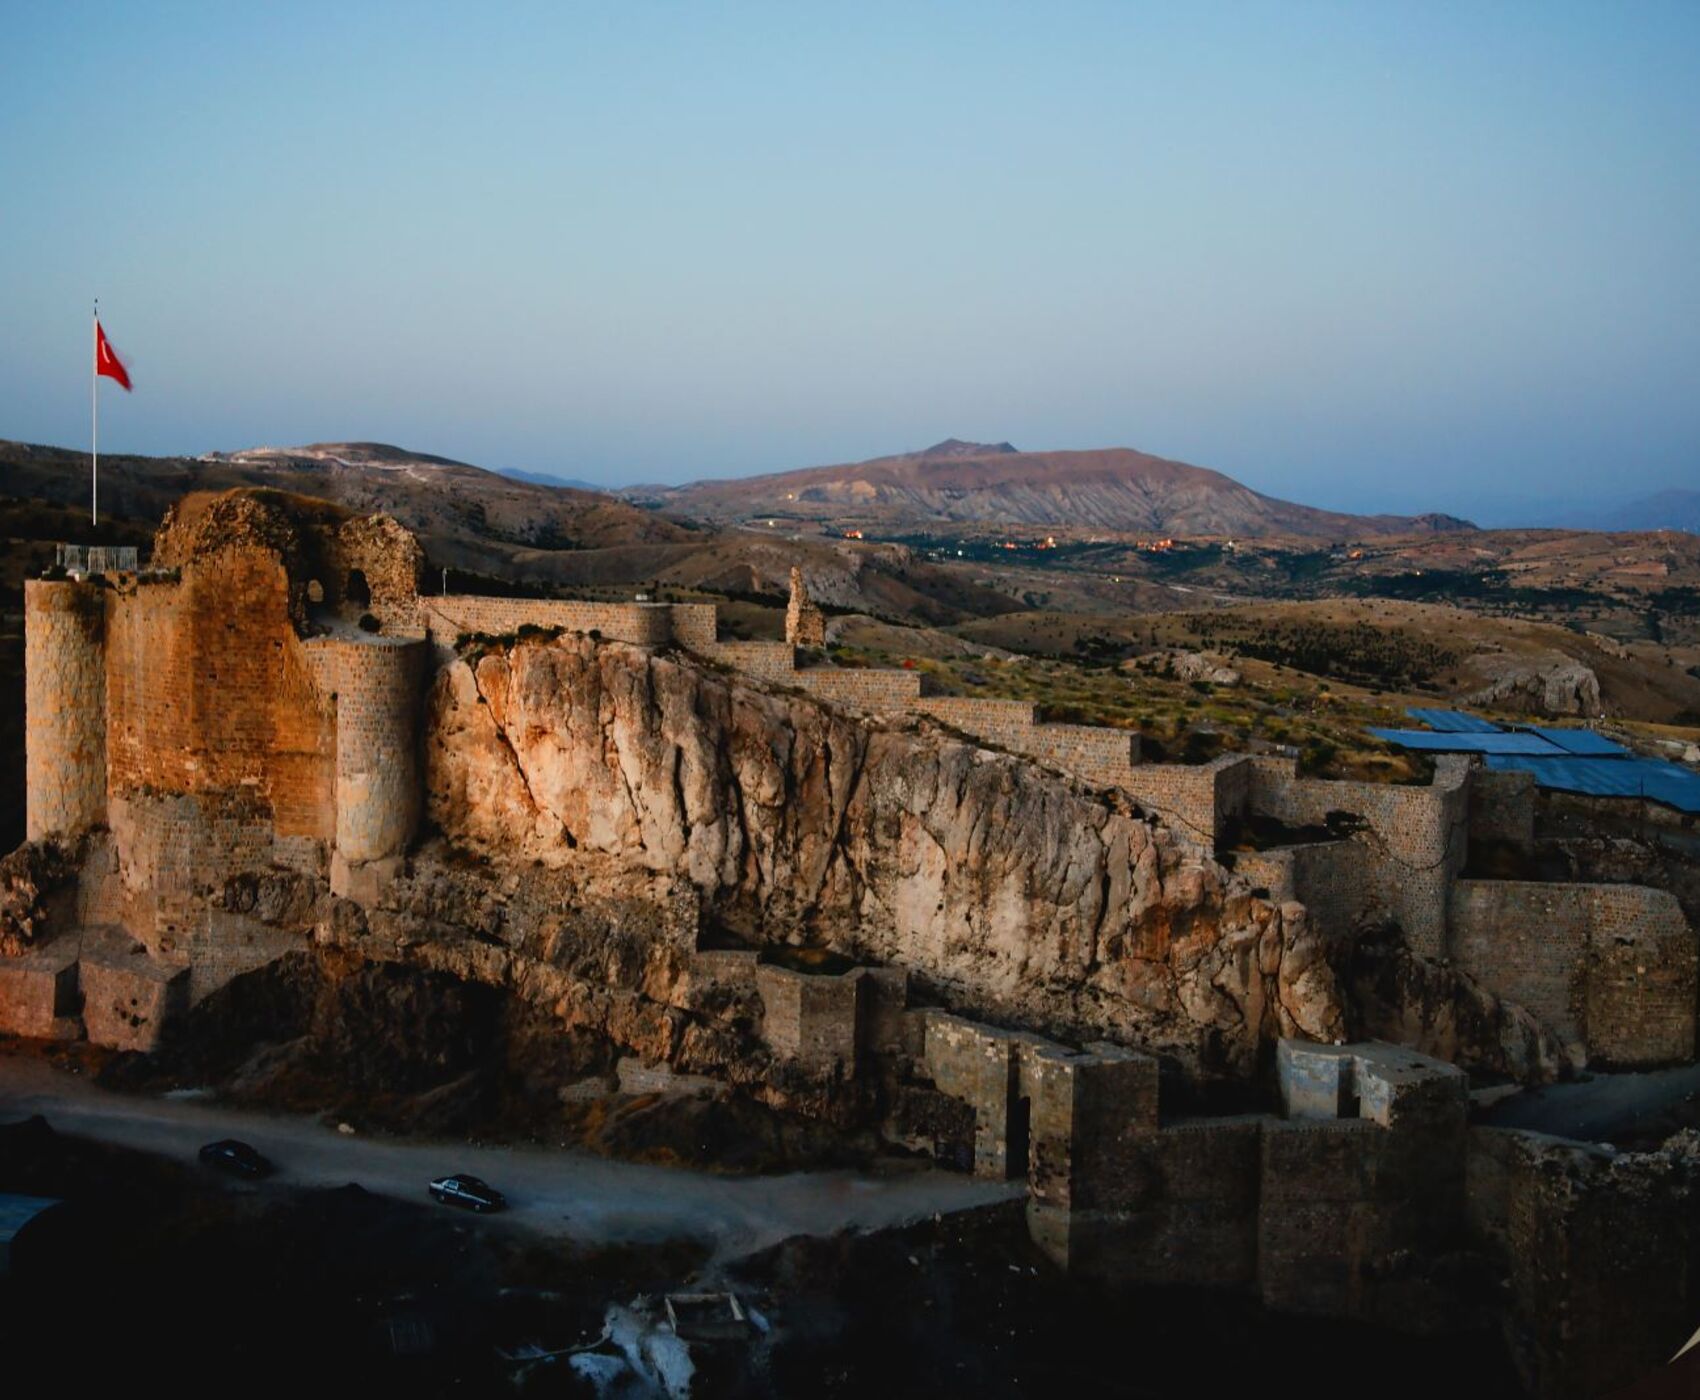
1563, 688
1004, 888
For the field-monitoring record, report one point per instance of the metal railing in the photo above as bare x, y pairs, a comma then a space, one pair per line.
96, 558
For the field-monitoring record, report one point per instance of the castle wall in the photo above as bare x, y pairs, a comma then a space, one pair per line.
642, 624
1611, 967
1413, 846
862, 689
64, 707
209, 690
1197, 799
811, 1020
1602, 1255
39, 995
1502, 807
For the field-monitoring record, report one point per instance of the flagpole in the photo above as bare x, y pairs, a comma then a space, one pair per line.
94, 420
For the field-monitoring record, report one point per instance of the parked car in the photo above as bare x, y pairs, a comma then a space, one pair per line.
469, 1192
237, 1158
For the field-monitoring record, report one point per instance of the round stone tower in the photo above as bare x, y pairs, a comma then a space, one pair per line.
377, 683
64, 707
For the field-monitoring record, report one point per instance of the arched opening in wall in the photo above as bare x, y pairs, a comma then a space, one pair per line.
357, 591
315, 591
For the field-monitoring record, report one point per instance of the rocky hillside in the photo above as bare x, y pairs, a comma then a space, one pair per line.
460, 512
1113, 489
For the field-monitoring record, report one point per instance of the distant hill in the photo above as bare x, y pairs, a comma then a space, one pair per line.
996, 484
1665, 510
466, 516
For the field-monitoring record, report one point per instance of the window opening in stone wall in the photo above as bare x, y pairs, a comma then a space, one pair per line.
1020, 1129
358, 591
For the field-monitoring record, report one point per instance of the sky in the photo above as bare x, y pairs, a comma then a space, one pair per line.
1423, 256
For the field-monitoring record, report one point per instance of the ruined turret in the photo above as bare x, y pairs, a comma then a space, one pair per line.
805, 624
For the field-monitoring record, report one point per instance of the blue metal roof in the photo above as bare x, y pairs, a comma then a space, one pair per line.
1653, 778
1453, 721
1497, 741
1582, 742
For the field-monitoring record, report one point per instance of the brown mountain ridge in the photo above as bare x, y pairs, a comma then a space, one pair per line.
1114, 488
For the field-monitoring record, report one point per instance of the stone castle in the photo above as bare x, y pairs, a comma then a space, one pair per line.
271, 740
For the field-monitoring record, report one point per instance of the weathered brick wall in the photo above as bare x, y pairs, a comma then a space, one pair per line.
64, 707
1602, 1252
1327, 877
769, 661
980, 1065
209, 690
38, 993
1609, 967
128, 996
643, 624
868, 689
1413, 847
1183, 1211
811, 1020
1502, 807
1197, 799
695, 625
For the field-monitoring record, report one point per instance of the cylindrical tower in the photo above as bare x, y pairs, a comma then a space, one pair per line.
64, 706
377, 684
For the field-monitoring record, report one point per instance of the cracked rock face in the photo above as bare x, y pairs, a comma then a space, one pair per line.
1003, 887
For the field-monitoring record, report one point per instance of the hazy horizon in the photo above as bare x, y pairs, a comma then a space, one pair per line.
1394, 260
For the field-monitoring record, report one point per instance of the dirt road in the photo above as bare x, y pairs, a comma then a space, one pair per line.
557, 1192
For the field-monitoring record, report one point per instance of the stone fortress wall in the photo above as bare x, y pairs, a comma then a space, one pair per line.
237, 715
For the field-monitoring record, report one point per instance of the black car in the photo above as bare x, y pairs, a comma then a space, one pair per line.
468, 1191
237, 1158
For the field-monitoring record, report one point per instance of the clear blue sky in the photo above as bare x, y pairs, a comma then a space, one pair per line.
1397, 256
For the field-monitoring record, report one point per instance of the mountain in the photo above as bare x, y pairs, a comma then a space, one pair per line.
1665, 510
996, 484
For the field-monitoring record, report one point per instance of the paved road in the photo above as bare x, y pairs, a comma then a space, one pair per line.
557, 1192
1598, 1108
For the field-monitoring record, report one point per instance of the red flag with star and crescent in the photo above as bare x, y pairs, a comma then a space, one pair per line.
105, 362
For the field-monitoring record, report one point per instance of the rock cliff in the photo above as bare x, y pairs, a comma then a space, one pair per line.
1008, 891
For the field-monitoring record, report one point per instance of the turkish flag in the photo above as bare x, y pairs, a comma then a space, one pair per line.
105, 362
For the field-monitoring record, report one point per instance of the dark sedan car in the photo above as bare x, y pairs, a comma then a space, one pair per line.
468, 1192
237, 1158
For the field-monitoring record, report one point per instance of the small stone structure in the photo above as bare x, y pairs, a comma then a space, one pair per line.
805, 624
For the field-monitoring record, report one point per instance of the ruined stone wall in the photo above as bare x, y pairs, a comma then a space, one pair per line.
1610, 967
458, 614
1094, 753
209, 690
1414, 843
1502, 807
1602, 1251
1327, 877
64, 707
810, 1020
1198, 799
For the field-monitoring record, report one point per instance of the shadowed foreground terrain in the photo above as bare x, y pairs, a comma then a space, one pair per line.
286, 1289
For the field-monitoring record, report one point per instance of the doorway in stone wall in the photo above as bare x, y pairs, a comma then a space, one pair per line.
358, 592
1020, 1129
